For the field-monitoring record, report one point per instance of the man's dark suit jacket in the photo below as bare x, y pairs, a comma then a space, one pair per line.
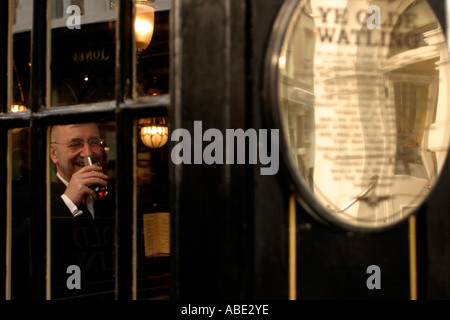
83, 242
80, 241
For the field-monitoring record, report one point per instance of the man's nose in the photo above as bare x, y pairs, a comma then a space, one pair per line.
86, 151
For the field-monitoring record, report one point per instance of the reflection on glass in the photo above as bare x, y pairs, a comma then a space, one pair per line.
19, 167
364, 110
82, 225
83, 51
153, 221
22, 14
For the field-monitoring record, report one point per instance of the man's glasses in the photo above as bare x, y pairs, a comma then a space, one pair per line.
76, 145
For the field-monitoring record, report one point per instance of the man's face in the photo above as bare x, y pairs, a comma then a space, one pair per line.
67, 160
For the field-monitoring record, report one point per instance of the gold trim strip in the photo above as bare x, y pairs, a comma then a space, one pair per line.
292, 250
412, 258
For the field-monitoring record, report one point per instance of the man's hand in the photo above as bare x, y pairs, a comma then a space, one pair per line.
80, 181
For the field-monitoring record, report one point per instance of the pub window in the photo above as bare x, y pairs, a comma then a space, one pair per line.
63, 104
21, 60
153, 209
83, 57
18, 151
85, 241
19, 220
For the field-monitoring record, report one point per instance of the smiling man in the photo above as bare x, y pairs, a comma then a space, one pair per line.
82, 226
69, 146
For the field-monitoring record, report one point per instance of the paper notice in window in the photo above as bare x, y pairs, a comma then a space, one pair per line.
156, 234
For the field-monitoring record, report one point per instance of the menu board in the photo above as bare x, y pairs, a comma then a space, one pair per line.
156, 234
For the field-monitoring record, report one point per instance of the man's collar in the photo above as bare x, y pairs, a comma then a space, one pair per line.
62, 179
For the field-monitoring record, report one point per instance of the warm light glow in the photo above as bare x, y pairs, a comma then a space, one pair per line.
154, 132
282, 62
18, 108
143, 25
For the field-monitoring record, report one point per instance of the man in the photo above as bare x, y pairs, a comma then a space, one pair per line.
82, 226
69, 146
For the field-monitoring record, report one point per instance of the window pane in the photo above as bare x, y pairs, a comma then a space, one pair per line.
82, 243
21, 65
20, 216
83, 53
153, 57
153, 216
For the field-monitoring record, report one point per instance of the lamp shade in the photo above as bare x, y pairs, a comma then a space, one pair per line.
154, 132
144, 24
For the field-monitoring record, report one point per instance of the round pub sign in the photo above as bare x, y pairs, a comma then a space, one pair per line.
360, 91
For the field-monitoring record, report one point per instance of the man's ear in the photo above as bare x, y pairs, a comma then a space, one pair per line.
53, 154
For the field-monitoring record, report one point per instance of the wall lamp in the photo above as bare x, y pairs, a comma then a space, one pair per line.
144, 23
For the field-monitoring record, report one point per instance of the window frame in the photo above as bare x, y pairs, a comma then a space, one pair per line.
123, 111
